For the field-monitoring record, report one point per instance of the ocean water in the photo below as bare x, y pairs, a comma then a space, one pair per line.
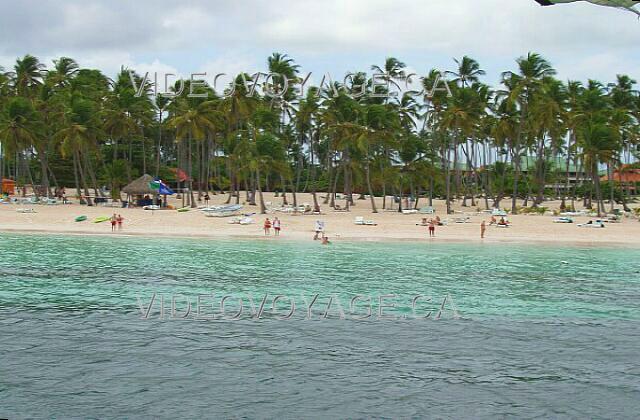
120, 327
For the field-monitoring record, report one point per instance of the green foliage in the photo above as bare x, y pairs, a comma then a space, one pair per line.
75, 126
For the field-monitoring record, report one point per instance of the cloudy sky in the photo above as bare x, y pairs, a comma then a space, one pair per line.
581, 40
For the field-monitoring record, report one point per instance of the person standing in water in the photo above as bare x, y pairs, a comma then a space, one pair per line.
432, 228
267, 227
483, 229
276, 226
114, 220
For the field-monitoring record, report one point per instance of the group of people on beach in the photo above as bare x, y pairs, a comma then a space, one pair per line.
276, 224
432, 223
268, 224
116, 220
501, 222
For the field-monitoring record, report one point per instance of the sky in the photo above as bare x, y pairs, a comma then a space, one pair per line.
581, 40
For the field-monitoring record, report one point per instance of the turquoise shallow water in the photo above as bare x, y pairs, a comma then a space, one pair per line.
541, 330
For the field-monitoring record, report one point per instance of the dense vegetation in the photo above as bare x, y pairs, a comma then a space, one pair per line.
67, 126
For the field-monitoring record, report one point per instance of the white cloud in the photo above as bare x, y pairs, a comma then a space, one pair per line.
582, 40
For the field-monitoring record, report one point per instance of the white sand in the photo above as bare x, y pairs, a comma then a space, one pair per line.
392, 226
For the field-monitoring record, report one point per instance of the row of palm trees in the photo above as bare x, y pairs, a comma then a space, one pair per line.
66, 125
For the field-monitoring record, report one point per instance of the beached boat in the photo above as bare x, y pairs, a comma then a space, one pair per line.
101, 219
563, 220
223, 211
81, 218
592, 224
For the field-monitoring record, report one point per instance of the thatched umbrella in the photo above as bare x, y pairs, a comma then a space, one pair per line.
140, 186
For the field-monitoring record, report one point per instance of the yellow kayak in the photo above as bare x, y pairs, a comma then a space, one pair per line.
101, 219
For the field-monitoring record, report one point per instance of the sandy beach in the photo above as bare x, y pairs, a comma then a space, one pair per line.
391, 225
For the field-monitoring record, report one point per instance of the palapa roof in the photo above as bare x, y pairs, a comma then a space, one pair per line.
140, 186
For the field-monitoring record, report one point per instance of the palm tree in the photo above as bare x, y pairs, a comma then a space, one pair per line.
468, 71
572, 117
599, 142
77, 137
392, 70
521, 88
193, 123
19, 127
27, 75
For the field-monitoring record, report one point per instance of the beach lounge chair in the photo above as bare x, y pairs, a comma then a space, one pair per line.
339, 208
427, 210
592, 224
613, 218
409, 211
362, 222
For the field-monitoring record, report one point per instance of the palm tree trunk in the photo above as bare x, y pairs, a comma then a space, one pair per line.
192, 198
75, 175
371, 197
516, 180
83, 179
92, 175
596, 182
263, 208
611, 186
159, 145
45, 174
447, 170
567, 166
284, 191
329, 177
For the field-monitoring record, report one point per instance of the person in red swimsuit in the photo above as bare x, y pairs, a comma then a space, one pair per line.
267, 227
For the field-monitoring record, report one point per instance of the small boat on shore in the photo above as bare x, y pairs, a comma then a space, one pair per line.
223, 211
563, 219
